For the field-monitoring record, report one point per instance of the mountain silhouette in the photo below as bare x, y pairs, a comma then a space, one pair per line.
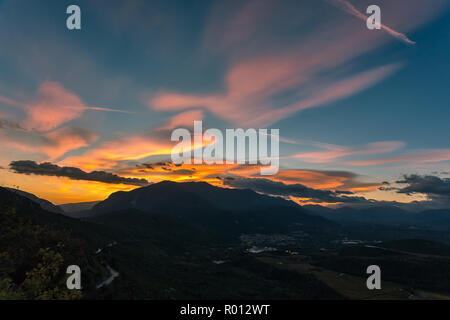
188, 195
45, 204
227, 211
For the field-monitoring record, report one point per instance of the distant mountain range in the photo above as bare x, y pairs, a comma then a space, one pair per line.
45, 204
77, 206
193, 240
437, 219
241, 209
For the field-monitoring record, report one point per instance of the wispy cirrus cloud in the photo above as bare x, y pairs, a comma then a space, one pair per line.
53, 106
53, 144
251, 85
334, 152
268, 81
183, 120
414, 156
112, 152
271, 77
10, 102
350, 8
326, 179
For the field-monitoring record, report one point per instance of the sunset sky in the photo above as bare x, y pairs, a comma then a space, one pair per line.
363, 114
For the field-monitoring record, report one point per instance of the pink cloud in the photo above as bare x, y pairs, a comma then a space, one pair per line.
53, 106
62, 140
348, 7
183, 120
10, 101
317, 68
251, 85
228, 29
54, 144
325, 93
114, 153
111, 153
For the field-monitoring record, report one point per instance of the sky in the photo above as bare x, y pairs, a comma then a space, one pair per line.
363, 114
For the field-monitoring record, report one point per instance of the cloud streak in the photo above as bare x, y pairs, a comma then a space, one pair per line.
327, 179
49, 169
350, 8
54, 144
183, 120
53, 106
251, 85
334, 152
417, 156
270, 77
276, 188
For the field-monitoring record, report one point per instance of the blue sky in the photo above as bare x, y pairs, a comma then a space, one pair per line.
348, 98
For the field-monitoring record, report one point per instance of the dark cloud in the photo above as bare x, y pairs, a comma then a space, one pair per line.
155, 165
183, 172
343, 192
145, 166
387, 188
296, 190
434, 187
436, 190
163, 163
169, 167
49, 169
6, 124
347, 180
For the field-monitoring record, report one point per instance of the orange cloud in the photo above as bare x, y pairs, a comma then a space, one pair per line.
308, 201
61, 189
326, 180
135, 147
53, 106
329, 180
54, 144
62, 140
110, 153
168, 171
312, 179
